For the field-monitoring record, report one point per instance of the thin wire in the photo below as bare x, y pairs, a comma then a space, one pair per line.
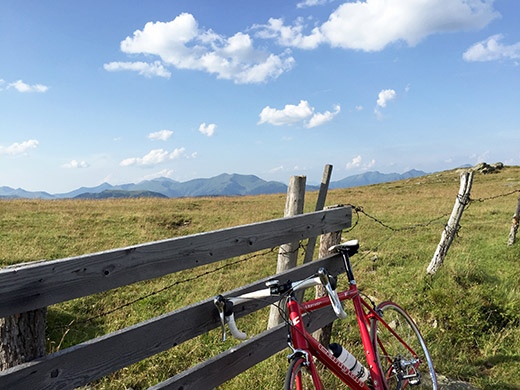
161, 290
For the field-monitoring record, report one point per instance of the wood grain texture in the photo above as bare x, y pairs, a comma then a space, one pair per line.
34, 286
86, 362
227, 365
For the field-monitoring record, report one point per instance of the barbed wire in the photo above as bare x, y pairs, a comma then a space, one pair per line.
359, 210
281, 250
481, 200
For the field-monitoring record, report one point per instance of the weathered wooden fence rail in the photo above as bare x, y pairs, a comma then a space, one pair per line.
33, 286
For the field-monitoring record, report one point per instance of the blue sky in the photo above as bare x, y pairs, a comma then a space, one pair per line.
124, 91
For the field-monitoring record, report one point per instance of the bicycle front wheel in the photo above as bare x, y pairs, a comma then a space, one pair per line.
298, 375
401, 367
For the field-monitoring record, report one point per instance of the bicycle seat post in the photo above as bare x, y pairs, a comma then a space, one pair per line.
348, 267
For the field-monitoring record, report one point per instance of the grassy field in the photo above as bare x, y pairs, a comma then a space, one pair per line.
469, 312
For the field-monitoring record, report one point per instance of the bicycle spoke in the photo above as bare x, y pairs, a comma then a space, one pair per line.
400, 367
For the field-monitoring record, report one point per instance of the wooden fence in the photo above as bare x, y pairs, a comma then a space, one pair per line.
41, 284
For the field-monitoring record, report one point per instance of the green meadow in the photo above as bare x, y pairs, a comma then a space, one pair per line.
469, 312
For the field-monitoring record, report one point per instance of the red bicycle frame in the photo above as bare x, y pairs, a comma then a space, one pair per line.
302, 340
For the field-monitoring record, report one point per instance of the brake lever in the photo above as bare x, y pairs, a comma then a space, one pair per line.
220, 303
326, 281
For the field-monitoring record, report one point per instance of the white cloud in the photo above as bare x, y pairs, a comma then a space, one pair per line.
292, 114
370, 164
182, 44
385, 96
289, 115
291, 36
208, 130
177, 153
75, 164
371, 25
357, 162
276, 169
359, 108
20, 86
163, 173
319, 119
491, 49
311, 3
155, 156
143, 68
17, 149
161, 135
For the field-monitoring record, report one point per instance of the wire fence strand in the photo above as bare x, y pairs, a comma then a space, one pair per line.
359, 210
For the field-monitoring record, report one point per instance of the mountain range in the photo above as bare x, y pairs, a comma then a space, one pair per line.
221, 185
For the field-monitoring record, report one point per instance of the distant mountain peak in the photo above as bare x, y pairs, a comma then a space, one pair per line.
225, 184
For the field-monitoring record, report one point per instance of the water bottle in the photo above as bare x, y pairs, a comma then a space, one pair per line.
349, 361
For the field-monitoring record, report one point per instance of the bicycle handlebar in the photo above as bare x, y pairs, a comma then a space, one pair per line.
225, 305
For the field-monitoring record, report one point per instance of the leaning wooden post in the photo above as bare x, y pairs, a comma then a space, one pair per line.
514, 226
322, 195
466, 180
22, 338
326, 241
288, 253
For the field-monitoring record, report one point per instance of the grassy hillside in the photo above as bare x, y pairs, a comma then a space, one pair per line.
469, 312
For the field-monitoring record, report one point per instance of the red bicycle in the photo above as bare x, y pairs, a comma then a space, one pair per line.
396, 354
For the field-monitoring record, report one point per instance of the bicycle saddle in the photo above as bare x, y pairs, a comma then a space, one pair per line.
351, 247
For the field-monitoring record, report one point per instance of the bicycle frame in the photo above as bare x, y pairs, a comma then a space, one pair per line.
303, 341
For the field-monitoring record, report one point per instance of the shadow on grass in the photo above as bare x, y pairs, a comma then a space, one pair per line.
65, 330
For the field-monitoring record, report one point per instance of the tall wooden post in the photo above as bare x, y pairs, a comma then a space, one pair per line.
326, 241
514, 226
22, 338
466, 180
288, 253
320, 203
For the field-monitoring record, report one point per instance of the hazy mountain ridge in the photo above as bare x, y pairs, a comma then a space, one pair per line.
221, 185
108, 194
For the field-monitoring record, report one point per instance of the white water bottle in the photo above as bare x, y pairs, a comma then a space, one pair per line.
346, 358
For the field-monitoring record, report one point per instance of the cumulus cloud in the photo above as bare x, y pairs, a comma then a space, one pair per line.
320, 118
385, 96
208, 130
291, 36
491, 49
20, 86
289, 115
357, 162
154, 157
182, 44
17, 149
161, 135
371, 25
75, 164
292, 114
143, 68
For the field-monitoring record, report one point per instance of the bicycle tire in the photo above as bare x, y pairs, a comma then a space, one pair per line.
298, 375
395, 363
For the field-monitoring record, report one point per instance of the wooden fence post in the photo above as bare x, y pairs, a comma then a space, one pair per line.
514, 226
288, 253
466, 180
326, 241
22, 337
320, 203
